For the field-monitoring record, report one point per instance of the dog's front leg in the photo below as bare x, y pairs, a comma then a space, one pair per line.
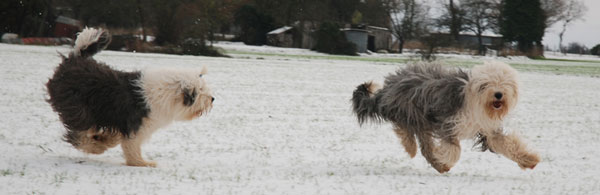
511, 146
428, 149
448, 152
132, 149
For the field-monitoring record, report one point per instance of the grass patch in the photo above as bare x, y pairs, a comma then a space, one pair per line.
558, 69
6, 172
568, 60
326, 57
545, 68
573, 68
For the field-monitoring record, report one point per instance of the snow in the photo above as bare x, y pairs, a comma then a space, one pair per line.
241, 47
283, 125
558, 55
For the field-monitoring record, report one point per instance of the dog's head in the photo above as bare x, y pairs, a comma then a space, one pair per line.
196, 96
493, 87
182, 94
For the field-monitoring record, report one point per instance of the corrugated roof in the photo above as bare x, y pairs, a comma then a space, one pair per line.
67, 20
280, 30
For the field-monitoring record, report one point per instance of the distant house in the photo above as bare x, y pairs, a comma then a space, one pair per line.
281, 37
365, 37
470, 40
299, 35
359, 37
379, 38
66, 27
370, 38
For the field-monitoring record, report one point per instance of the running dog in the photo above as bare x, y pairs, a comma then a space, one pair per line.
102, 107
440, 106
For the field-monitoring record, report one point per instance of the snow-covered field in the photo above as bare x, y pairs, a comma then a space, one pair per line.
283, 125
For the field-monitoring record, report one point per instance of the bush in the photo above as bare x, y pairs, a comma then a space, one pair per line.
198, 47
331, 40
577, 48
254, 25
596, 50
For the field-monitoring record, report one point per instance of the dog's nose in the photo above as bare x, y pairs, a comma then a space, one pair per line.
498, 95
213, 99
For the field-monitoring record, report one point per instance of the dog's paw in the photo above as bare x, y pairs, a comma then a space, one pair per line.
528, 161
142, 164
442, 168
412, 151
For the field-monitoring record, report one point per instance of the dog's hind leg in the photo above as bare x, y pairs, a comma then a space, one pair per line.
93, 141
132, 150
428, 150
407, 139
511, 146
448, 152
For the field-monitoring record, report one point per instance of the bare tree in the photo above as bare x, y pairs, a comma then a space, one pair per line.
409, 19
478, 18
554, 10
456, 16
576, 48
496, 15
452, 17
575, 10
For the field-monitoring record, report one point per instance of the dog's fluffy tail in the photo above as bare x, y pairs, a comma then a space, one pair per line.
364, 102
90, 41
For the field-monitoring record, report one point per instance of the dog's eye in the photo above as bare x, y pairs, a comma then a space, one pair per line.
200, 75
482, 87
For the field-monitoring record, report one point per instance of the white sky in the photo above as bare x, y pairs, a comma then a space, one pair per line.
585, 31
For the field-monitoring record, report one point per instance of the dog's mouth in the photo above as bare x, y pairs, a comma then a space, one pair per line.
497, 104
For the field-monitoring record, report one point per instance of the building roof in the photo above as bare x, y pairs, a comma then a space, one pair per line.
67, 20
280, 30
378, 28
469, 33
354, 29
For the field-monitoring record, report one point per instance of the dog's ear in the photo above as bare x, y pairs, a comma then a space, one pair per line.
203, 71
189, 96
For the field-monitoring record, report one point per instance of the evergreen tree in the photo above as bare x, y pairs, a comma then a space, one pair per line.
254, 25
523, 21
595, 50
333, 41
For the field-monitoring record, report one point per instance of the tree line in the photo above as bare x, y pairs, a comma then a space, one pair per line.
522, 23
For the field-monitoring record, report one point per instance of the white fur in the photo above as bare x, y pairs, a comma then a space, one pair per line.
472, 118
498, 77
163, 92
85, 38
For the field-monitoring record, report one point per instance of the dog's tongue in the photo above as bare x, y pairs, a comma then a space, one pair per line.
497, 104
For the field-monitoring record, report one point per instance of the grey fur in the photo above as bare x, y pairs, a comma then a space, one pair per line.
419, 99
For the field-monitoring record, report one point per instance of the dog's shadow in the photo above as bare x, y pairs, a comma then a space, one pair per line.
82, 161
412, 172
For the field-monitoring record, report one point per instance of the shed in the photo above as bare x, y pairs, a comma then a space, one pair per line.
281, 37
379, 38
359, 37
66, 27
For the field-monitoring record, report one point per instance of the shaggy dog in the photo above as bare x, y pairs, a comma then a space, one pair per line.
101, 107
440, 106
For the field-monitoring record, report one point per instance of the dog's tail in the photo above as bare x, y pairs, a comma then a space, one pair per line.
364, 102
90, 41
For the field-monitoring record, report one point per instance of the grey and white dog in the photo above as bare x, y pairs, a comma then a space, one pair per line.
427, 102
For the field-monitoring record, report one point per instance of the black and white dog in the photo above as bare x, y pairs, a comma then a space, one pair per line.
101, 107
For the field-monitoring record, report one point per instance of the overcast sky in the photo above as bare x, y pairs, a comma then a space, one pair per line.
585, 31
